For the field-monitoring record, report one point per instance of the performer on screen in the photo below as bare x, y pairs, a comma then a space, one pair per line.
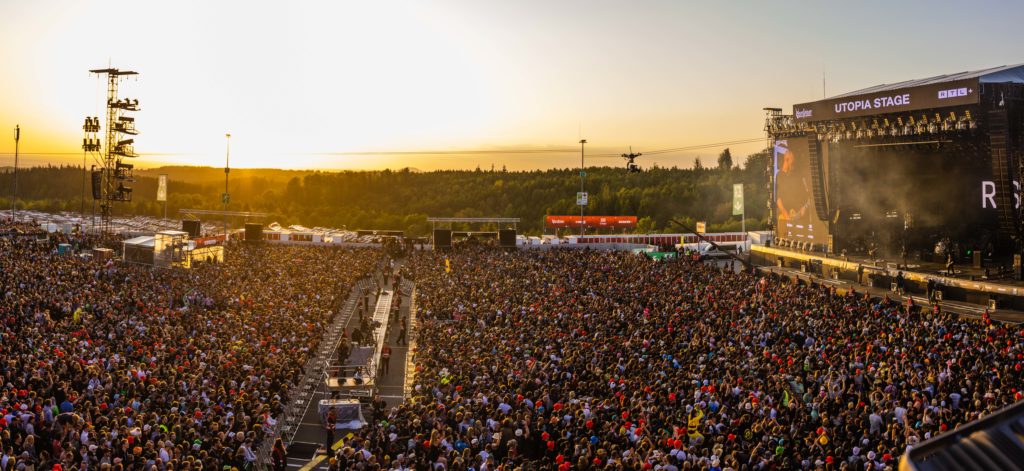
793, 191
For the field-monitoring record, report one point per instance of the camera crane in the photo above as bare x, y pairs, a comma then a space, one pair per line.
631, 166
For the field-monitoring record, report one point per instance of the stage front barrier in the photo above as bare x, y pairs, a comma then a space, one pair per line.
973, 291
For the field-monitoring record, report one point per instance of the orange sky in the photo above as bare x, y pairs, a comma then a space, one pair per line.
295, 82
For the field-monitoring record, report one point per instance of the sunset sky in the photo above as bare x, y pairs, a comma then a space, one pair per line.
308, 84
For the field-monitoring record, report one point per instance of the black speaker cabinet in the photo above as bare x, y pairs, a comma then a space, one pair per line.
507, 237
253, 232
97, 184
442, 238
192, 226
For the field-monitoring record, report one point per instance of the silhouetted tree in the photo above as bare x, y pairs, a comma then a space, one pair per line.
725, 160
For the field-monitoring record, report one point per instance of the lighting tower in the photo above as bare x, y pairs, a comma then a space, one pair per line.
116, 174
583, 174
14, 201
773, 116
226, 197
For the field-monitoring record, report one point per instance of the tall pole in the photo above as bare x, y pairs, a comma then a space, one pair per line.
14, 203
743, 223
81, 210
227, 170
582, 175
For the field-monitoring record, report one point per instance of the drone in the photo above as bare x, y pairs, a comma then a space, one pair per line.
631, 166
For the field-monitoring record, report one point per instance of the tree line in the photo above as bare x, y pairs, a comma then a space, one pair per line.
403, 199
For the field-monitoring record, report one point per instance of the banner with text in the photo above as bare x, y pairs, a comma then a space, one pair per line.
938, 95
590, 221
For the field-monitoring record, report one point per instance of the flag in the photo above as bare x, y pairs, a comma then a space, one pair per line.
161, 189
447, 265
737, 199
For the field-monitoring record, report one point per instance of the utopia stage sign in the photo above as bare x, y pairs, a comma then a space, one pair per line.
900, 100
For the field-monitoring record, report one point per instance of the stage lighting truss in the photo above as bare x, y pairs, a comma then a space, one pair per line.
783, 126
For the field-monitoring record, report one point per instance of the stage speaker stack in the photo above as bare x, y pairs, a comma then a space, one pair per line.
507, 238
442, 239
97, 184
977, 259
192, 226
253, 232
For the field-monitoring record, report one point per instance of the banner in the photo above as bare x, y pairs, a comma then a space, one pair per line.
581, 198
208, 241
161, 189
590, 221
737, 199
922, 97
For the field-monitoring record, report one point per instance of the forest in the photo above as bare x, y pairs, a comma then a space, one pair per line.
403, 199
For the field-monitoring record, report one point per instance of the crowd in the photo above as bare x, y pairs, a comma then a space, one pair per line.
111, 366
560, 359
600, 360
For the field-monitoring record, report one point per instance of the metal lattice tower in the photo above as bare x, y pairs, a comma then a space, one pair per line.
115, 174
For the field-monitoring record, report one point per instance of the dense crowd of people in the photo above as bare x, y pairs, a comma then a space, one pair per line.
559, 359
601, 360
111, 366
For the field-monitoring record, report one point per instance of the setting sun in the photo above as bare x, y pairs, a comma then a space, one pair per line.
314, 84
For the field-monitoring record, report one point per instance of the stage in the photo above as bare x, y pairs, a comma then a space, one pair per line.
968, 285
901, 177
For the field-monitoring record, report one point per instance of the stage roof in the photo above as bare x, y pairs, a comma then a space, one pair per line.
1001, 74
141, 241
933, 92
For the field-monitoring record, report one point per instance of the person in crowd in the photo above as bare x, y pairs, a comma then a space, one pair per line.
330, 423
279, 456
403, 328
385, 360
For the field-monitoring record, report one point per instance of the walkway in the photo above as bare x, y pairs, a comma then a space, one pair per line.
289, 422
310, 435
